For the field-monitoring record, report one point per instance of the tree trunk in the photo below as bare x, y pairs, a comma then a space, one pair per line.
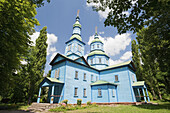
160, 96
153, 92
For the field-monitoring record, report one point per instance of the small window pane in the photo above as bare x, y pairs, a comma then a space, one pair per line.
113, 93
91, 77
116, 78
55, 76
84, 76
69, 47
99, 92
97, 45
96, 78
79, 48
75, 91
84, 92
76, 74
100, 60
58, 73
91, 61
133, 77
93, 46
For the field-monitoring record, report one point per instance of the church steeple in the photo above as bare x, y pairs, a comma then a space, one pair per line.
75, 46
97, 57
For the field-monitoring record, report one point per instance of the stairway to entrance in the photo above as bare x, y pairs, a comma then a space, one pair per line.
41, 107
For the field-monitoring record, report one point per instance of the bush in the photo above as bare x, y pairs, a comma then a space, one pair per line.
88, 103
65, 101
79, 101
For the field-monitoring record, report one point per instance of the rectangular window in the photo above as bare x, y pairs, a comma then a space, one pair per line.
99, 92
84, 76
106, 61
100, 60
113, 93
58, 73
76, 74
97, 45
55, 76
84, 92
75, 91
93, 46
116, 78
92, 78
91, 61
96, 78
133, 77
69, 47
79, 48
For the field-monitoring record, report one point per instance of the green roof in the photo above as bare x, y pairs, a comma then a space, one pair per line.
77, 23
117, 65
76, 36
99, 82
96, 40
139, 83
53, 80
97, 52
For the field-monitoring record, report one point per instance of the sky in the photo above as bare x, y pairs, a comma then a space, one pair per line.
59, 17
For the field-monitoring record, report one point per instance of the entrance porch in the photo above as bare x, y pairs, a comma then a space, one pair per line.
140, 85
54, 92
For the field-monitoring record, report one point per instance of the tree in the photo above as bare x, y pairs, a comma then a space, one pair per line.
149, 46
140, 13
17, 22
36, 63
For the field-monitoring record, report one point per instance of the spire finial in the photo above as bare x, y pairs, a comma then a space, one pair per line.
96, 29
78, 12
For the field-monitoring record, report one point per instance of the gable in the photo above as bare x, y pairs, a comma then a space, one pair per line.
82, 61
57, 58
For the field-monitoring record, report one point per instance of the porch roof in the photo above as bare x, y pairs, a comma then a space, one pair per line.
102, 82
53, 80
139, 83
47, 81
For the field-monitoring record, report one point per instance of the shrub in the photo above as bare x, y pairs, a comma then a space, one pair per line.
65, 101
79, 101
88, 103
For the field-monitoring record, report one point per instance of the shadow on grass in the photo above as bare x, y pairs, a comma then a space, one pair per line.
154, 107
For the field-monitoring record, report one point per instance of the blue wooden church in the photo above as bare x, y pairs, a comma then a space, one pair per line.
73, 77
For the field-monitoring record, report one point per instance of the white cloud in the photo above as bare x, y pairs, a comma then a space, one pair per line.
126, 55
52, 39
102, 14
114, 62
123, 58
52, 56
113, 46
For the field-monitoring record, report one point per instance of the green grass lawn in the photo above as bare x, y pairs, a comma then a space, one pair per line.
163, 107
20, 106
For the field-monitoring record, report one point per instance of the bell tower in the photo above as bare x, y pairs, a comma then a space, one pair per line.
75, 46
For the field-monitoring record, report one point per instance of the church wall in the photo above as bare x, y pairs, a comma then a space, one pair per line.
60, 66
124, 88
106, 94
71, 82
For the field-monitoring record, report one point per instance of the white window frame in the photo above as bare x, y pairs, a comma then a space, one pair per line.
75, 91
116, 78
99, 92
76, 74
84, 77
84, 92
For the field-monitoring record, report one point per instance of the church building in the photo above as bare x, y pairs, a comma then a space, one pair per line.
93, 79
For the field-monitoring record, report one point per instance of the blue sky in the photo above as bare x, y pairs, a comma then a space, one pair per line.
59, 17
